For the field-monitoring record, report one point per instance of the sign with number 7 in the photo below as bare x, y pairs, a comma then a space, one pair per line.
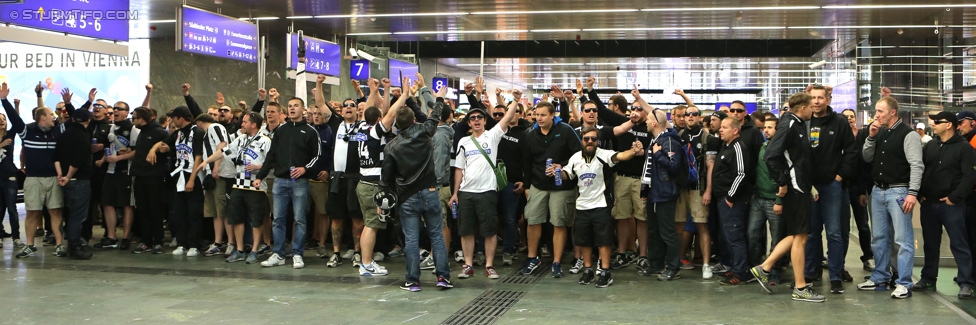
359, 69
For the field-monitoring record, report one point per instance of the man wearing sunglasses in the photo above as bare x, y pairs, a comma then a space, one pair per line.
342, 203
98, 129
948, 179
696, 198
116, 189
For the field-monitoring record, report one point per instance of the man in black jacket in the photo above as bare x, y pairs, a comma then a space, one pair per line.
834, 156
72, 159
731, 189
294, 149
946, 183
185, 147
149, 182
788, 160
408, 171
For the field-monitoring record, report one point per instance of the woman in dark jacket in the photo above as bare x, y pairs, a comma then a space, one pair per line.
8, 172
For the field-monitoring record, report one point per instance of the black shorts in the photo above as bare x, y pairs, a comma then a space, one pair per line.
593, 228
343, 204
247, 204
796, 212
117, 190
477, 211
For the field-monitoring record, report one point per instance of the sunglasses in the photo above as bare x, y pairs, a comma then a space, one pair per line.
637, 108
737, 110
476, 117
590, 139
693, 114
940, 122
98, 106
120, 108
589, 110
349, 105
498, 114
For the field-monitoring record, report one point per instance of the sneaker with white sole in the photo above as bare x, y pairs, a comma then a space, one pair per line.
871, 286
720, 268
379, 257
395, 252
192, 252
297, 262
901, 292
508, 259
231, 248
577, 266
348, 255
60, 251
371, 269
179, 251
357, 260
274, 260
706, 272
28, 251
251, 258
174, 243
19, 243
334, 261
479, 258
459, 256
235, 256
264, 249
428, 263
214, 249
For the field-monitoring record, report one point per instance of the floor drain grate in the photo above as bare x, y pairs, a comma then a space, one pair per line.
516, 277
486, 308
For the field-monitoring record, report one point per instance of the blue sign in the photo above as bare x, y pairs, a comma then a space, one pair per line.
207, 33
359, 69
320, 56
409, 70
97, 19
438, 83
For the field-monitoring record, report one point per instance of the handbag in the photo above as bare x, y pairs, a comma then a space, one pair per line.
501, 173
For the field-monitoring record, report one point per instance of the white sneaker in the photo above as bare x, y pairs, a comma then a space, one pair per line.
348, 254
192, 252
706, 272
377, 256
19, 243
297, 262
372, 269
231, 248
274, 260
179, 251
428, 263
173, 243
901, 292
459, 256
357, 260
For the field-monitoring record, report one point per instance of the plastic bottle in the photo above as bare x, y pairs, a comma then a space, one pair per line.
292, 170
247, 173
454, 209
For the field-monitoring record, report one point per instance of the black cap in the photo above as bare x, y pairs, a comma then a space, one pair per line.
964, 115
181, 111
720, 114
946, 116
81, 115
477, 110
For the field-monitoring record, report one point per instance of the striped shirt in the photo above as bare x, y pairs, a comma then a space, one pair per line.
38, 150
246, 150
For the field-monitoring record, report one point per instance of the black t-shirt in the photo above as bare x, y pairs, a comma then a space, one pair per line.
633, 167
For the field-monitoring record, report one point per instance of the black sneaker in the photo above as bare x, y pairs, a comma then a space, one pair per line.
618, 261
924, 284
444, 283
79, 253
605, 279
587, 277
49, 240
107, 243
125, 244
410, 286
158, 249
142, 248
669, 275
836, 287
965, 292
39, 232
557, 270
846, 275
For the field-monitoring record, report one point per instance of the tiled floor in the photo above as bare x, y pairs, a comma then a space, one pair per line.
121, 287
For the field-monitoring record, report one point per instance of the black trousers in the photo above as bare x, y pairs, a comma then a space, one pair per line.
150, 194
188, 216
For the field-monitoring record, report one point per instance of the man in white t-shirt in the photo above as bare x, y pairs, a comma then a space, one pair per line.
476, 188
594, 223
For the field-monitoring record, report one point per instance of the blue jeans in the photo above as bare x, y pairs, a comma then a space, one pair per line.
296, 192
424, 204
886, 214
761, 212
77, 195
733, 225
8, 203
826, 215
508, 203
936, 215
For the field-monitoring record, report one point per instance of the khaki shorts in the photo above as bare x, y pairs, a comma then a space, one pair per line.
559, 206
690, 201
445, 196
215, 201
365, 194
318, 194
627, 201
42, 191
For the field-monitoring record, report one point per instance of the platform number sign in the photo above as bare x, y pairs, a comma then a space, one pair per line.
359, 69
439, 83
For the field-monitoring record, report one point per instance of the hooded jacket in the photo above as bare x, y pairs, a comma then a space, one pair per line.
833, 148
661, 168
948, 170
295, 144
787, 156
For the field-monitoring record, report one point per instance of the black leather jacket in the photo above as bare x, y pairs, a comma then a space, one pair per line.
408, 163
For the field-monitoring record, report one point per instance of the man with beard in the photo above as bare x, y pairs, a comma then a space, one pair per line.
592, 166
695, 200
344, 176
117, 186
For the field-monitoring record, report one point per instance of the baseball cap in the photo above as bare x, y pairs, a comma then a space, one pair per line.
181, 111
920, 126
946, 116
965, 115
477, 110
720, 114
81, 115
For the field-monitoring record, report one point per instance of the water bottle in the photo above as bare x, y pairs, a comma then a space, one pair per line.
454, 209
901, 200
94, 141
247, 173
108, 152
291, 170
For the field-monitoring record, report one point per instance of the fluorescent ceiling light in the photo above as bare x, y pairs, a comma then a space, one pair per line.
615, 29
874, 26
531, 12
394, 15
369, 34
961, 26
734, 8
258, 18
759, 27
162, 21
678, 29
554, 30
899, 6
462, 32
298, 17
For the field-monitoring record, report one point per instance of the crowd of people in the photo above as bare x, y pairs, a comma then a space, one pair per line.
400, 171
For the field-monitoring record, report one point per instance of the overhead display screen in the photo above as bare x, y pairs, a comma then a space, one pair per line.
207, 33
97, 19
409, 70
320, 56
359, 69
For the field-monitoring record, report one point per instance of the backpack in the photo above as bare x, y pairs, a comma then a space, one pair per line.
688, 174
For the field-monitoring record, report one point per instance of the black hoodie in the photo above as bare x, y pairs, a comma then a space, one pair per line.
752, 139
833, 148
948, 170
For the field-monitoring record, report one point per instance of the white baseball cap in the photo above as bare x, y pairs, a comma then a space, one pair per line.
920, 126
